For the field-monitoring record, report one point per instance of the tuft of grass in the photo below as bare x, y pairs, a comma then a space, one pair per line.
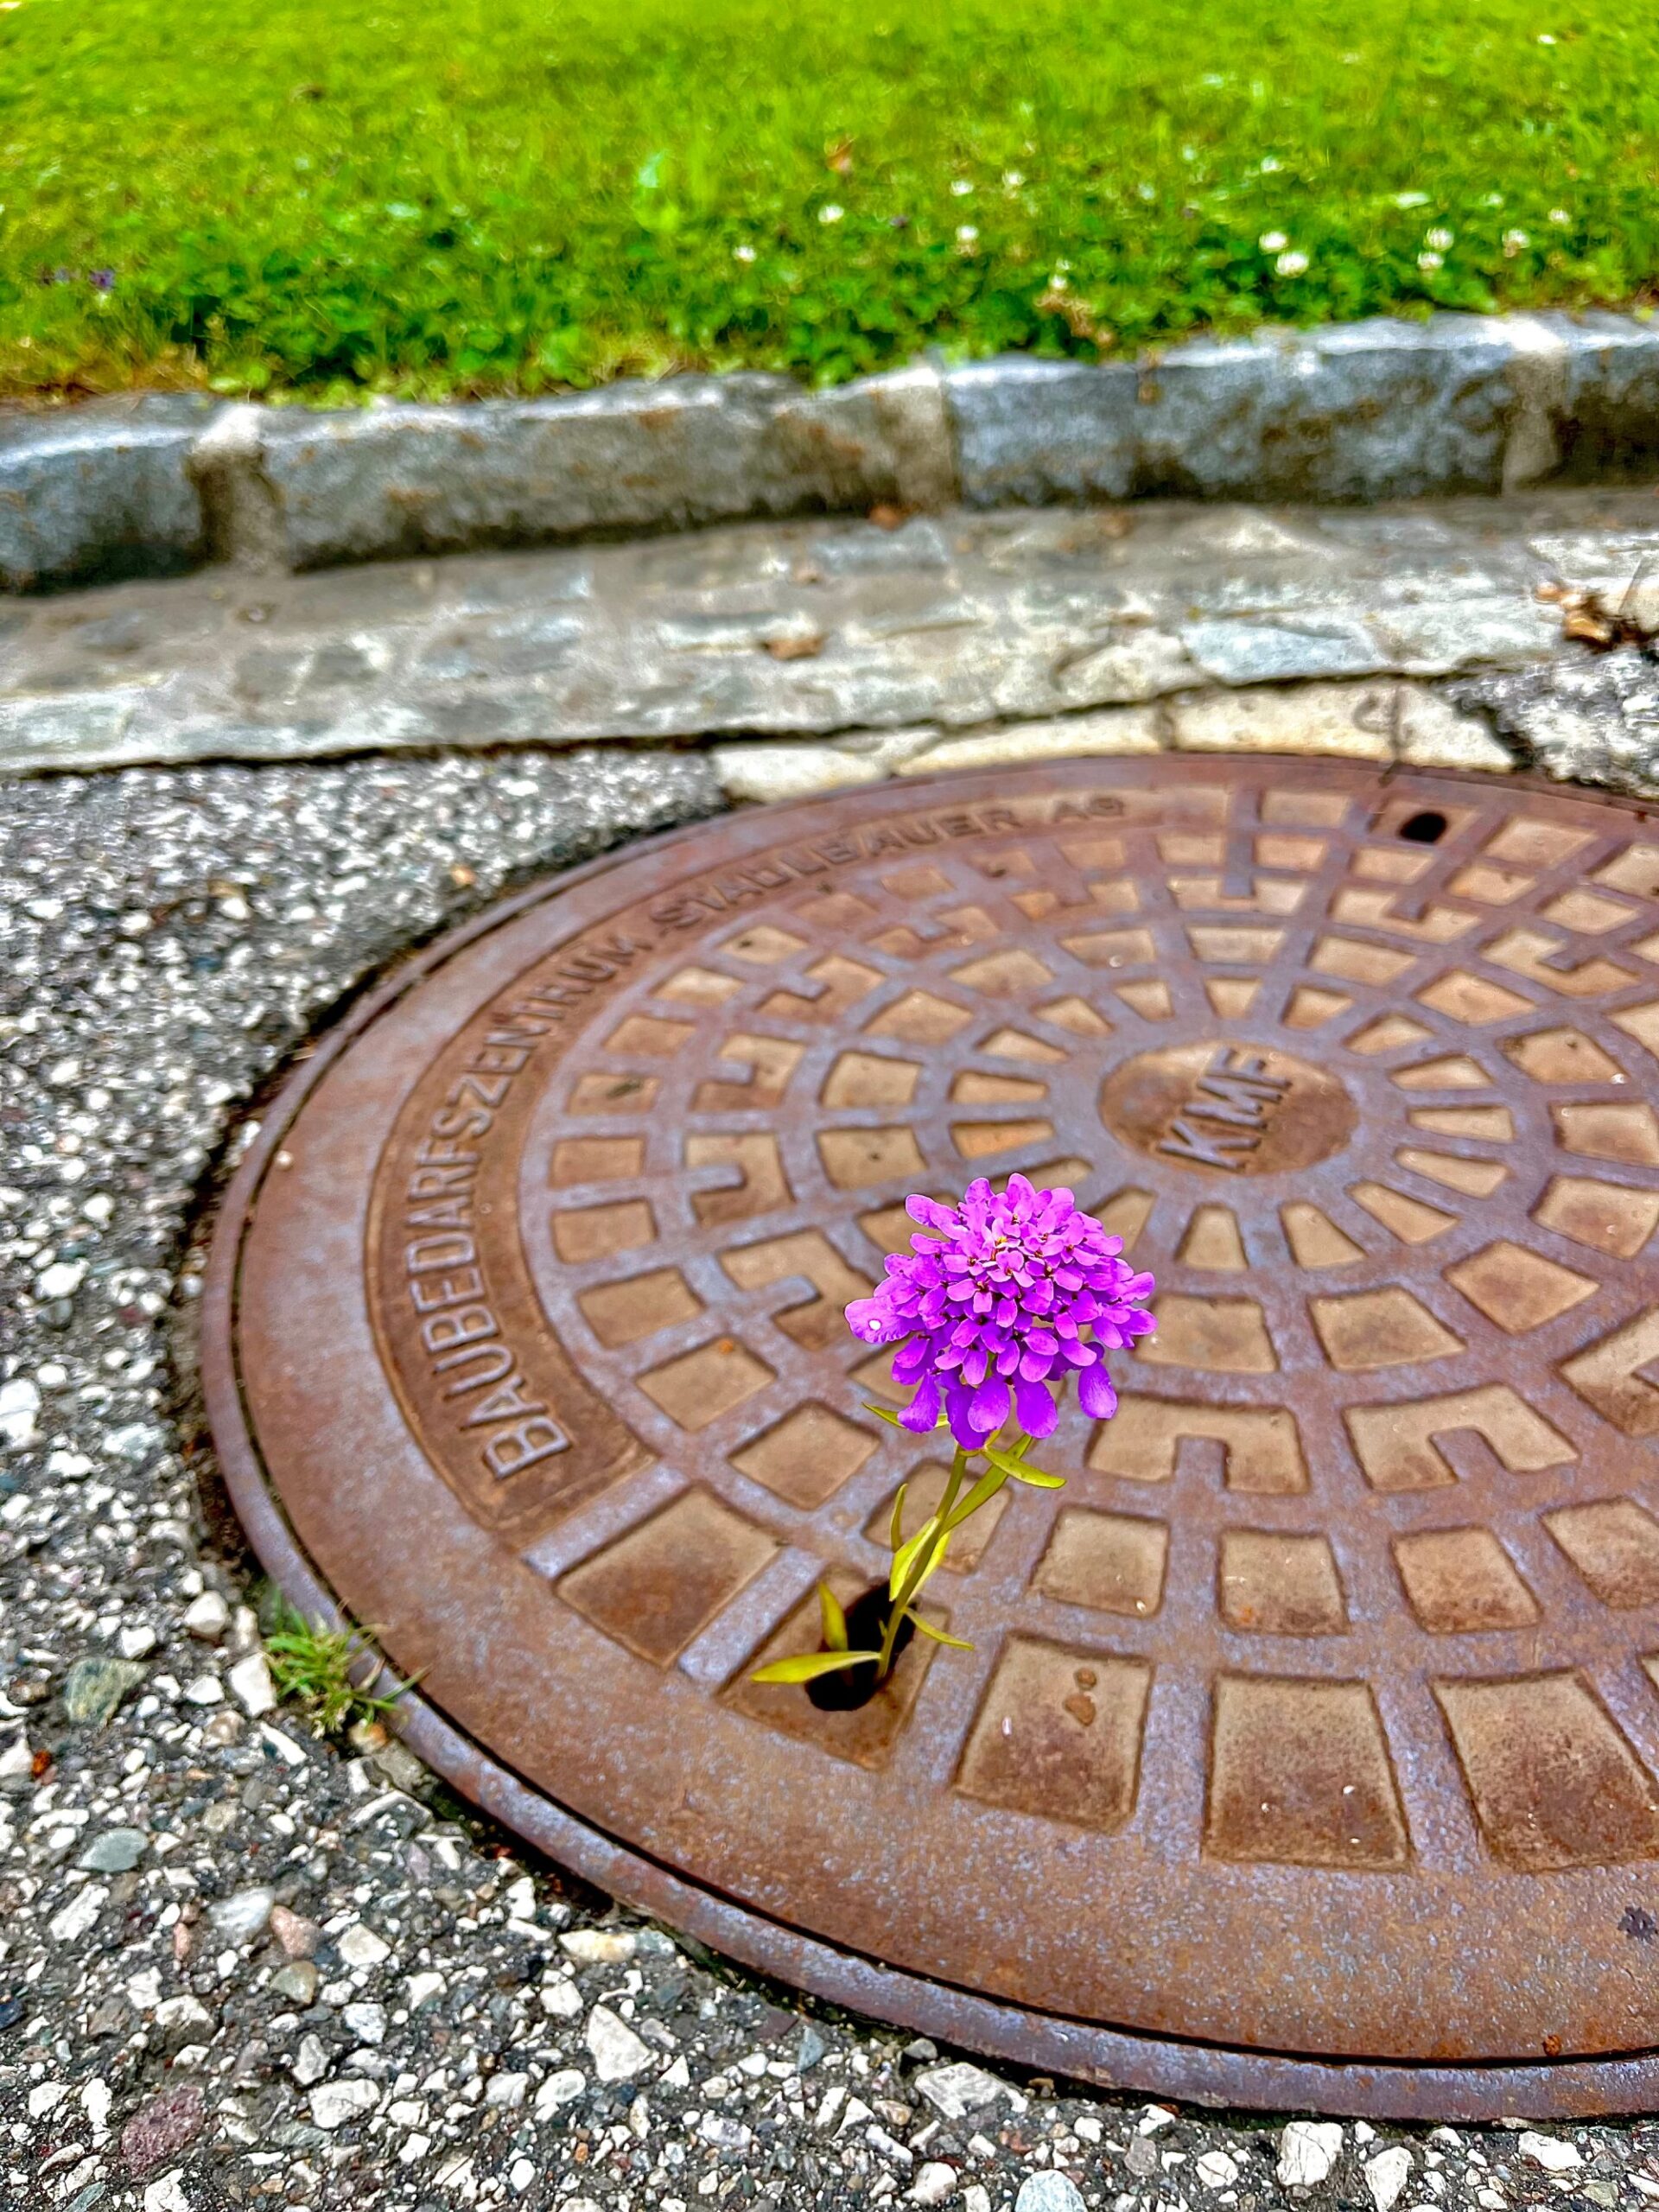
318, 1668
508, 195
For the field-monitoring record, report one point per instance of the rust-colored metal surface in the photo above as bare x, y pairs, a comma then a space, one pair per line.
1307, 1751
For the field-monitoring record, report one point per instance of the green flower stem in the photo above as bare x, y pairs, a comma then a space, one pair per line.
922, 1564
932, 1540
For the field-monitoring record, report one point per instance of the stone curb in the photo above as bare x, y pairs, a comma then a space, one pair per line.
101, 491
1382, 410
1372, 410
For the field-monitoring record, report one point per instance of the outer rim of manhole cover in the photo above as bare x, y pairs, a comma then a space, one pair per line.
1389, 920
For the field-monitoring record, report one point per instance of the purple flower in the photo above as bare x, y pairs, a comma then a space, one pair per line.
102, 280
990, 1311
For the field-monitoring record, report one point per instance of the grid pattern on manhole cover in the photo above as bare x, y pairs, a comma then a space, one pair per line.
1318, 1714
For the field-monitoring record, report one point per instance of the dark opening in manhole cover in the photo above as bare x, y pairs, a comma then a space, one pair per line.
1306, 1751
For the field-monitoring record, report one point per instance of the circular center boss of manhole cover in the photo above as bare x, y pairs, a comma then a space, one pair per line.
1306, 1750
1229, 1109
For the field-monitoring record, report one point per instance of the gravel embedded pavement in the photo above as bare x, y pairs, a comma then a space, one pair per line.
243, 1965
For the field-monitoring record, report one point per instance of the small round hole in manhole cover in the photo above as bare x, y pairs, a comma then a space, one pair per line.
1306, 1753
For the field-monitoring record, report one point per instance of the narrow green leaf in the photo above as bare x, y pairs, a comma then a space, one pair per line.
937, 1634
922, 1574
835, 1621
896, 1533
981, 1494
906, 1555
807, 1666
1021, 1472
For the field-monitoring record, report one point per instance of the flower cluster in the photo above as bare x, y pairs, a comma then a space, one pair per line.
991, 1306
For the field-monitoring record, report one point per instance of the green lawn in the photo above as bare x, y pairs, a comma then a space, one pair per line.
318, 198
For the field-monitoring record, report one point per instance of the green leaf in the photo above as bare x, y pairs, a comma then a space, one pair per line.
905, 1556
896, 1533
922, 1575
981, 1494
1012, 1466
835, 1621
886, 1413
937, 1634
807, 1666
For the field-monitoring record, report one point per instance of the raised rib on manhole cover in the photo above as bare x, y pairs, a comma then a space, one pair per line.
1306, 1751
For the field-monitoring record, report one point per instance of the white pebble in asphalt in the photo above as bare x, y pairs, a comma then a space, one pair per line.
1048, 2192
1309, 2150
1386, 2175
1550, 2152
618, 2054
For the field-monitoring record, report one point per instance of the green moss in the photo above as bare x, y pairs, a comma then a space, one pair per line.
506, 195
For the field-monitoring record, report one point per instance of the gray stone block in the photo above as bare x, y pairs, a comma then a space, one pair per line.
92, 492
312, 490
400, 479
1380, 410
882, 440
1608, 428
1029, 432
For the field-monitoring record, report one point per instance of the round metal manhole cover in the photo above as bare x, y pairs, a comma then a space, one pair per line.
1306, 1750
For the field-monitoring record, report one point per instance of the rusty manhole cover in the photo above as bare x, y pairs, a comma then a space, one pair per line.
1306, 1753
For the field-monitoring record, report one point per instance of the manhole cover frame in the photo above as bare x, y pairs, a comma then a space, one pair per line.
1170, 2066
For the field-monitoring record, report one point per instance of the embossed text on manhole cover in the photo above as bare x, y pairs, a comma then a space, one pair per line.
1307, 1750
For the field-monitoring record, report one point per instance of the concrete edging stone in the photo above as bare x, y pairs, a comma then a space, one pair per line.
1380, 410
102, 490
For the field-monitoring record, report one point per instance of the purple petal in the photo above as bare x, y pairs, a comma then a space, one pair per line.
957, 1404
990, 1407
921, 1415
911, 1360
867, 1319
1094, 1392
1035, 1408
